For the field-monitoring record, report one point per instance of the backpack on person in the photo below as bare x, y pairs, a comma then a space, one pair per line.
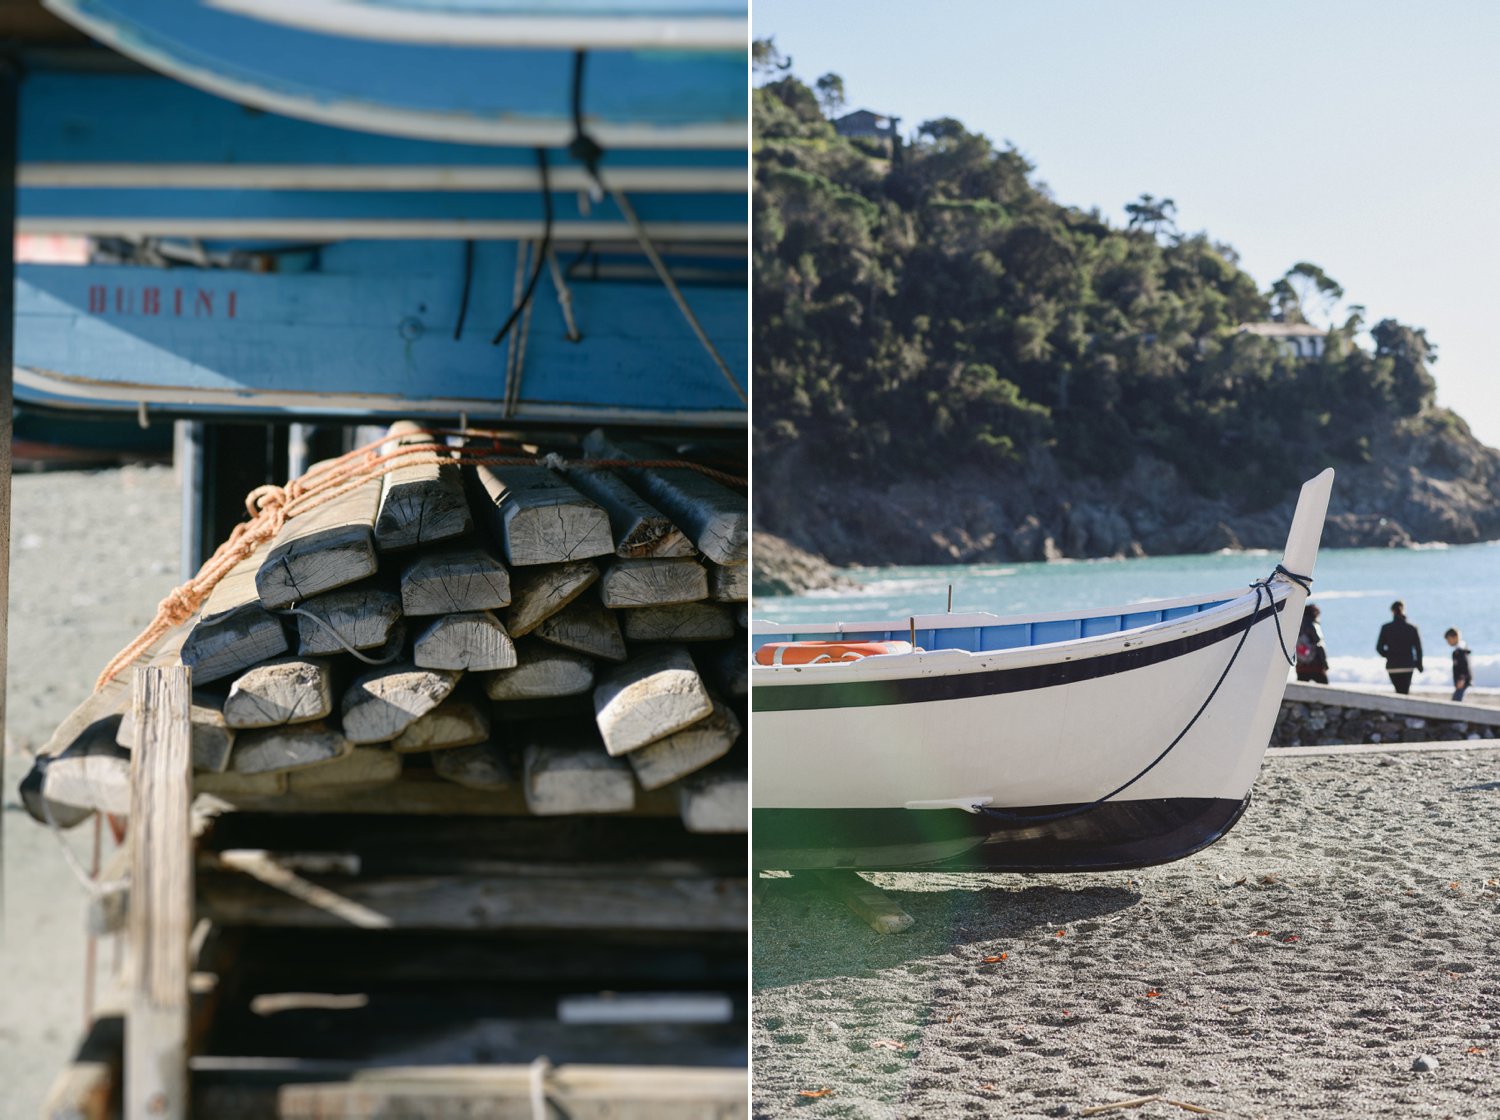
1307, 652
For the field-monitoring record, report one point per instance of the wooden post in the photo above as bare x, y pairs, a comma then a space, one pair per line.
161, 897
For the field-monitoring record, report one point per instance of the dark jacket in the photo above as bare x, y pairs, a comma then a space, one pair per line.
1461, 674
1312, 634
1400, 645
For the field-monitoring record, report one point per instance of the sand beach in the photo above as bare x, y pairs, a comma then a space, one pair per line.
1347, 926
92, 553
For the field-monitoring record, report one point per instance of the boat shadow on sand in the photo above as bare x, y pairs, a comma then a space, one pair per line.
802, 931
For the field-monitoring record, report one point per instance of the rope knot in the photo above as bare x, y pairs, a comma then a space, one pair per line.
177, 607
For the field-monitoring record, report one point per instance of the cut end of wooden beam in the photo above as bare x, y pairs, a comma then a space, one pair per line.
684, 622
286, 690
539, 593
652, 583
474, 640
541, 672
456, 722
276, 750
687, 751
585, 627
383, 703
233, 642
715, 801
540, 519
648, 698
564, 778
327, 547
363, 617
452, 581
484, 766
362, 767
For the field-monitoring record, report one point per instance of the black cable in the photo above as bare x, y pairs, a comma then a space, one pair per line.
541, 257
584, 148
463, 302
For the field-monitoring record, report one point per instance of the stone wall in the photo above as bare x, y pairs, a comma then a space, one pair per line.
1312, 715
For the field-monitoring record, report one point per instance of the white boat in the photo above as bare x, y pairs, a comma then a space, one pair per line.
1075, 741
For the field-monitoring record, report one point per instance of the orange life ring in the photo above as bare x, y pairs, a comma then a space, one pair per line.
823, 653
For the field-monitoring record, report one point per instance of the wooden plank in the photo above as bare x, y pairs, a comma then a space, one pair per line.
538, 518
329, 546
539, 593
647, 583
457, 722
581, 1092
686, 751
682, 622
234, 630
161, 898
417, 793
386, 701
212, 737
363, 616
277, 750
729, 584
715, 800
361, 768
614, 902
648, 698
640, 529
473, 640
882, 913
541, 671
572, 773
583, 626
286, 690
453, 580
91, 773
482, 766
714, 517
419, 504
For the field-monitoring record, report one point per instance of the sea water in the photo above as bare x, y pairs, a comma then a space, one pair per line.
1442, 586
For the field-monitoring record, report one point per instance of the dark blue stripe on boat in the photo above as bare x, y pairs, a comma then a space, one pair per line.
964, 686
1114, 836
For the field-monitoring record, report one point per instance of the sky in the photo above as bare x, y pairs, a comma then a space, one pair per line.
1364, 137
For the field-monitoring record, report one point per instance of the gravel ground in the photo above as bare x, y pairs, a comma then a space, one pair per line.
92, 553
1347, 926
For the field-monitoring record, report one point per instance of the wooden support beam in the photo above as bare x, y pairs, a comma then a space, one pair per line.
453, 580
585, 627
482, 766
572, 773
328, 546
474, 640
538, 518
729, 584
286, 690
648, 698
715, 800
234, 630
457, 722
161, 898
640, 529
650, 583
539, 593
873, 906
714, 517
607, 902
384, 702
682, 622
419, 504
541, 672
580, 1092
277, 750
686, 751
363, 616
360, 769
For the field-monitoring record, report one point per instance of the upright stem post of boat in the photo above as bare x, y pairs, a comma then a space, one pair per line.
912, 622
950, 598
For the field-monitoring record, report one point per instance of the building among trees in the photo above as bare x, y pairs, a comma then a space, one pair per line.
862, 124
1299, 340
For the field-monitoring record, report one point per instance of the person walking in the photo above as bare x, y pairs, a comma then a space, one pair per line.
1401, 646
1462, 678
1312, 657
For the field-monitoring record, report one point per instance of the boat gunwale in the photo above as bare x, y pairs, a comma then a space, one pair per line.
954, 661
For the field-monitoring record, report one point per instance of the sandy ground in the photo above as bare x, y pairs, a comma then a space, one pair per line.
91, 556
1348, 925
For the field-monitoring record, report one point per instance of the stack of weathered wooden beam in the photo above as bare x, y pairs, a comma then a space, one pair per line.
551, 639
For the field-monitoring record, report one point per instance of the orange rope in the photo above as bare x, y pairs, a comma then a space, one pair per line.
271, 506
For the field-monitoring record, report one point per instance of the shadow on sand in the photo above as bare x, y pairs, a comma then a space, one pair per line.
803, 932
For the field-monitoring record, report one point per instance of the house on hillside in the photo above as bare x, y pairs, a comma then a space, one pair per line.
862, 124
1300, 340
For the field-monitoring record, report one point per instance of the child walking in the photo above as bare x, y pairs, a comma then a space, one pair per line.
1462, 678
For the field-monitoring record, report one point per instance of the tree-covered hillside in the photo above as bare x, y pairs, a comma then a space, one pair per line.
929, 304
